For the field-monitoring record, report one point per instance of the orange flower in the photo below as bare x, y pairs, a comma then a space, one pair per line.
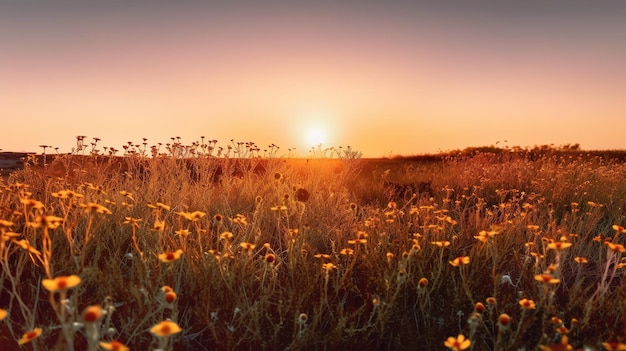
559, 245
491, 301
444, 243
61, 283
581, 260
29, 336
504, 320
165, 329
547, 279
616, 247
619, 228
457, 344
169, 257
613, 345
422, 283
479, 307
3, 314
114, 346
459, 261
527, 304
91, 314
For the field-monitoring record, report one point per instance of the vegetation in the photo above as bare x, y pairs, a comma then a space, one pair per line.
187, 250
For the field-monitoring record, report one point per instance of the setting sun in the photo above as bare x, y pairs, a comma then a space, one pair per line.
316, 136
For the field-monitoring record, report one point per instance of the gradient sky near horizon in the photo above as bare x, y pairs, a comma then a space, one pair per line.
384, 77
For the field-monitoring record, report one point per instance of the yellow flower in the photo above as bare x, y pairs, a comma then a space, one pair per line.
563, 345
29, 336
357, 241
226, 236
182, 232
547, 279
67, 194
3, 314
169, 257
25, 245
444, 243
582, 260
485, 235
61, 283
328, 266
619, 228
458, 343
527, 304
192, 216
559, 245
613, 345
92, 207
114, 346
459, 261
615, 247
132, 221
5, 223
247, 246
165, 328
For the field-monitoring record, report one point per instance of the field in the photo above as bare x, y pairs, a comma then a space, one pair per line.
511, 250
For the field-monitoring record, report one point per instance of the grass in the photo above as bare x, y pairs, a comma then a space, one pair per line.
185, 250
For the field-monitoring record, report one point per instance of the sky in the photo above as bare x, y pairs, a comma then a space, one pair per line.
384, 77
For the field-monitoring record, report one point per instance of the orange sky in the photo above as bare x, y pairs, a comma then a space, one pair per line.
385, 79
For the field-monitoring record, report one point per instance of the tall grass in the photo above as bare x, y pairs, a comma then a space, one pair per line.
271, 253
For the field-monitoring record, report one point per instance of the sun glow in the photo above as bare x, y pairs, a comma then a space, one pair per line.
316, 136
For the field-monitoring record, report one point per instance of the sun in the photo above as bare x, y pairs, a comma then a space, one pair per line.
316, 136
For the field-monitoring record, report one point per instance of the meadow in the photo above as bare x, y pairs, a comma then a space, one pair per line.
488, 249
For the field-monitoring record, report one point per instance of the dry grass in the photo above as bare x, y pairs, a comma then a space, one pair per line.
271, 253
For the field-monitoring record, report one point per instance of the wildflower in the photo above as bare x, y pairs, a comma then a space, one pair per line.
458, 343
504, 320
61, 283
357, 241
562, 330
563, 345
556, 320
270, 258
240, 219
484, 235
5, 223
479, 307
182, 232
218, 218
616, 247
302, 318
92, 207
346, 251
444, 243
191, 216
247, 246
278, 176
559, 245
3, 314
127, 194
92, 313
581, 260
29, 336
165, 328
619, 228
279, 208
169, 257
547, 279
322, 256
114, 346
613, 345
527, 304
158, 225
170, 296
132, 221
226, 236
459, 261
491, 301
25, 245
50, 222
532, 227
328, 266
38, 205
422, 283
